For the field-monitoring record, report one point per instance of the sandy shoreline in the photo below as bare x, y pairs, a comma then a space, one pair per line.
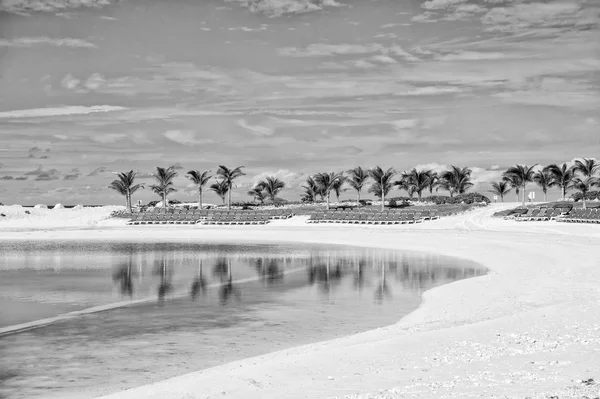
530, 327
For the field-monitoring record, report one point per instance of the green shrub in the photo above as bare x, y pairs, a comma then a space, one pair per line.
590, 195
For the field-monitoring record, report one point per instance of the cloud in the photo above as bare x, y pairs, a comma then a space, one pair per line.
58, 111
527, 16
73, 175
277, 8
255, 129
97, 171
323, 50
94, 82
177, 166
185, 137
109, 138
24, 7
441, 4
291, 179
69, 82
483, 176
42, 40
41, 174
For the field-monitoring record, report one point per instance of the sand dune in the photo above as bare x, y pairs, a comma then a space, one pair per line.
530, 328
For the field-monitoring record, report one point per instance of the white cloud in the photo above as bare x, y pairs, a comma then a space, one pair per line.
24, 7
109, 138
484, 176
57, 42
320, 50
404, 123
69, 82
441, 4
256, 129
291, 179
58, 111
94, 82
276, 8
185, 137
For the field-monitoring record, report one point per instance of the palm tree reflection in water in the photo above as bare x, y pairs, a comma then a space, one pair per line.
124, 275
269, 270
228, 290
199, 284
326, 275
383, 290
164, 272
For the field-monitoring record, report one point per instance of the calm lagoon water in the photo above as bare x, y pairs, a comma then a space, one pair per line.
180, 308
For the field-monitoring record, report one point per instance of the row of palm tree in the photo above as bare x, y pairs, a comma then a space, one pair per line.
378, 181
579, 176
455, 180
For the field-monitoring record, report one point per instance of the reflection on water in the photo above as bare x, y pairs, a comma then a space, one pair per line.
180, 308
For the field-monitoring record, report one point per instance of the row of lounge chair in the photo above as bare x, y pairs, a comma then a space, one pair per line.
582, 216
357, 217
208, 217
560, 214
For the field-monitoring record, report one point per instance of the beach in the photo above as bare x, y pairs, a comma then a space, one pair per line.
529, 328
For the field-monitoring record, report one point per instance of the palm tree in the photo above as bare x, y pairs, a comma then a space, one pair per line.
383, 183
164, 182
514, 182
562, 176
523, 173
257, 194
271, 186
433, 182
325, 182
356, 180
403, 184
500, 188
456, 180
584, 185
418, 180
228, 176
124, 186
586, 166
199, 179
544, 180
337, 187
220, 188
311, 190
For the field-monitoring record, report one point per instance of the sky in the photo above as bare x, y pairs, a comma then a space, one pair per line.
288, 88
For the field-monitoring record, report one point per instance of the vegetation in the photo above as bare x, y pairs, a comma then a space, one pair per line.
199, 179
382, 183
124, 185
544, 180
221, 188
164, 183
522, 174
562, 176
271, 186
500, 188
417, 181
357, 179
227, 178
456, 180
326, 182
257, 194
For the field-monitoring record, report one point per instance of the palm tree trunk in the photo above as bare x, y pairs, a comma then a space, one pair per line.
199, 199
524, 193
128, 200
382, 200
229, 198
545, 197
564, 192
165, 200
327, 201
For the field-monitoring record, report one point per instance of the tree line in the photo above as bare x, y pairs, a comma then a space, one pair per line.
580, 176
377, 181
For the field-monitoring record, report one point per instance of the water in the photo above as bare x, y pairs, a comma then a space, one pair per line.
176, 308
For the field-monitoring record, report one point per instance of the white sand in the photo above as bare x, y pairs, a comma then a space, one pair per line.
530, 328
